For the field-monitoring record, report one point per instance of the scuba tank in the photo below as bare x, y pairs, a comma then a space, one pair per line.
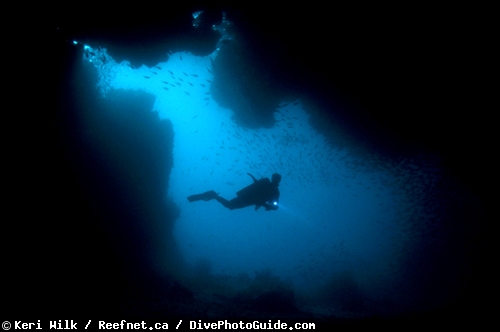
256, 189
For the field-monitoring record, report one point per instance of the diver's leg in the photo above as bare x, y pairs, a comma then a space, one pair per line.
223, 201
235, 203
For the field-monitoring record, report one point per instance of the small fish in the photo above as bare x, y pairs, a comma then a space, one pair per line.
158, 67
164, 82
203, 85
170, 72
146, 77
185, 74
194, 75
164, 88
190, 83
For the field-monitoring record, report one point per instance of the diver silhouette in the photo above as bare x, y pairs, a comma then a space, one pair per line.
261, 192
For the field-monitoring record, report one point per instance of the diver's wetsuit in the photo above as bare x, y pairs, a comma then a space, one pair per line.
261, 192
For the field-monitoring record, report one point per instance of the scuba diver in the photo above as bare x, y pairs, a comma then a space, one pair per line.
263, 192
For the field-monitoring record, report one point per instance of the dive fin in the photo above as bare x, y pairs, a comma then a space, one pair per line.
206, 196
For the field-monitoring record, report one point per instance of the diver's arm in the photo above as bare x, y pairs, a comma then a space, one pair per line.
253, 178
